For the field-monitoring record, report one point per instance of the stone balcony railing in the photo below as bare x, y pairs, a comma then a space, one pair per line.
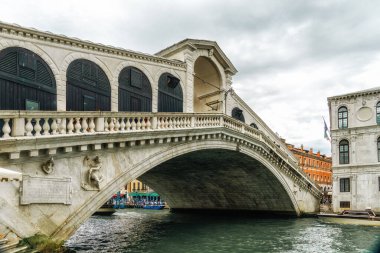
27, 125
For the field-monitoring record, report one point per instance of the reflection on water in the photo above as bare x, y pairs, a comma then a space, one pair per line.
133, 230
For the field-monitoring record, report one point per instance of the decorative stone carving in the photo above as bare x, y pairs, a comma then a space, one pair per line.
364, 113
210, 52
93, 177
48, 166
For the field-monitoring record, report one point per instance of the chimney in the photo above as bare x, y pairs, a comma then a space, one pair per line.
302, 147
311, 150
319, 153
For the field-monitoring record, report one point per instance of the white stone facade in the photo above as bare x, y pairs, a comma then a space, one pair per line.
363, 168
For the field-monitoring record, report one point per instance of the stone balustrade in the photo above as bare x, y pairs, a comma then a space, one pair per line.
42, 123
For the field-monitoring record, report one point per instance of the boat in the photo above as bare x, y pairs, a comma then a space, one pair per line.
154, 207
106, 209
354, 217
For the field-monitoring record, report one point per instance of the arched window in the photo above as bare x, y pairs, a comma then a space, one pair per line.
378, 149
378, 113
344, 155
237, 113
254, 125
26, 81
88, 88
135, 92
170, 98
342, 117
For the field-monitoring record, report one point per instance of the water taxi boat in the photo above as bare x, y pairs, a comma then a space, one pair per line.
354, 217
154, 206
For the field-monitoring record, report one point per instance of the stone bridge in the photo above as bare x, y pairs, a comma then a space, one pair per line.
79, 120
196, 161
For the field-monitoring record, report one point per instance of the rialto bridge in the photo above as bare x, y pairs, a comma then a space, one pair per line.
79, 120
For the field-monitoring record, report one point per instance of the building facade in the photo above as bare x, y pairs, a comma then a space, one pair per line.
137, 186
316, 165
355, 134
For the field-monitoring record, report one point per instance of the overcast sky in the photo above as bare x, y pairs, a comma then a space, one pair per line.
291, 55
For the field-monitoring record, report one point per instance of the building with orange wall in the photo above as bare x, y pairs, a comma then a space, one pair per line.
315, 165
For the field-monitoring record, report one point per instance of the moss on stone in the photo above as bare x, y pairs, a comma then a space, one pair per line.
43, 243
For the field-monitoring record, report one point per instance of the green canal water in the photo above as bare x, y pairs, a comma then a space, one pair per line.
134, 230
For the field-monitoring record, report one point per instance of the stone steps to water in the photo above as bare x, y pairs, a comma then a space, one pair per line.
3, 241
13, 247
20, 249
8, 246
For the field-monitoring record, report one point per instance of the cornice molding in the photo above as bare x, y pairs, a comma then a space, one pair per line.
373, 91
193, 44
30, 33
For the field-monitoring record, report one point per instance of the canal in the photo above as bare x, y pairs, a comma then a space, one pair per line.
135, 230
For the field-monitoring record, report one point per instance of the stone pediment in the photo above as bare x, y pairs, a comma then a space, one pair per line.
193, 45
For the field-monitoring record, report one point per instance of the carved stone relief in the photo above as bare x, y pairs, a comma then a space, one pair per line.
48, 166
92, 176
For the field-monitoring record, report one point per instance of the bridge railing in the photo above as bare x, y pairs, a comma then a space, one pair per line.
45, 123
42, 123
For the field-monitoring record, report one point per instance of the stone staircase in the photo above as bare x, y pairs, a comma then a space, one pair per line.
7, 246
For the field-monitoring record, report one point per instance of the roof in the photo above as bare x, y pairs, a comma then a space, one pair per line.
194, 44
143, 194
370, 91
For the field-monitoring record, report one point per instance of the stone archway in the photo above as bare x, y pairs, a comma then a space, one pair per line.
207, 86
274, 193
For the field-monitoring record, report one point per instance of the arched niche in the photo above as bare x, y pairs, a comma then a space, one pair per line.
26, 81
170, 96
88, 88
207, 86
135, 91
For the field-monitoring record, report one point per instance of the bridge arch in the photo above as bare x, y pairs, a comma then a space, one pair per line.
35, 49
170, 94
135, 90
26, 81
70, 58
88, 88
160, 158
207, 85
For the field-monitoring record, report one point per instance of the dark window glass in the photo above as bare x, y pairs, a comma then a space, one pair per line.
344, 184
170, 98
378, 113
378, 149
343, 117
32, 105
135, 92
344, 204
379, 182
86, 80
25, 78
344, 154
89, 103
